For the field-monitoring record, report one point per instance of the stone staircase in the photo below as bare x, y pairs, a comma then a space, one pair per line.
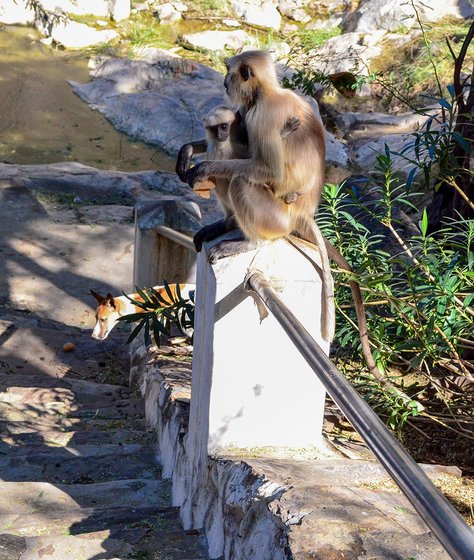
79, 477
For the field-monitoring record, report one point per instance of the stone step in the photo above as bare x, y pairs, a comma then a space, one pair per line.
41, 390
56, 438
64, 547
28, 424
37, 350
127, 408
47, 498
31, 452
49, 466
87, 520
334, 472
131, 543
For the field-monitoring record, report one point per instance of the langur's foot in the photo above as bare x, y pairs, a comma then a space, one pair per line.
209, 232
231, 248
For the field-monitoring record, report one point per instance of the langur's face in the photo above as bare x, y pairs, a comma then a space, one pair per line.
219, 132
241, 81
232, 80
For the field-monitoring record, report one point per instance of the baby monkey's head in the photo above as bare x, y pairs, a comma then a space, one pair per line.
218, 123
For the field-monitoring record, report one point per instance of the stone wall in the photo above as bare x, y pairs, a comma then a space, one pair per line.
233, 501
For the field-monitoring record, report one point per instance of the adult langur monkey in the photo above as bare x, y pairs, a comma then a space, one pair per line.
277, 167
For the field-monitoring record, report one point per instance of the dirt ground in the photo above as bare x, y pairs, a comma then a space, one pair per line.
42, 121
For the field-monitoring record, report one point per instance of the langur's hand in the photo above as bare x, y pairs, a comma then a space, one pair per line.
196, 174
184, 160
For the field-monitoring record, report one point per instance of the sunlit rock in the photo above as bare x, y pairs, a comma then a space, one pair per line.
393, 15
15, 12
350, 52
263, 13
294, 9
75, 35
218, 40
170, 11
115, 9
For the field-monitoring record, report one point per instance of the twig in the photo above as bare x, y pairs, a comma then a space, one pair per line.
461, 193
419, 430
427, 417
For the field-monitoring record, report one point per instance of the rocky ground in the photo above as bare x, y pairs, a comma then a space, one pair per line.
80, 478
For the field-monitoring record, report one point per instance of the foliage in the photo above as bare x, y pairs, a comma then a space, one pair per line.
159, 313
145, 32
418, 298
391, 404
307, 80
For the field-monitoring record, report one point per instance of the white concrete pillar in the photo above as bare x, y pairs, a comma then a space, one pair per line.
250, 385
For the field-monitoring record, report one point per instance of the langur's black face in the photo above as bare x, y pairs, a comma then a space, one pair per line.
220, 132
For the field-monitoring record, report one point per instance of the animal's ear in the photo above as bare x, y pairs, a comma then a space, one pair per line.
110, 300
97, 297
245, 72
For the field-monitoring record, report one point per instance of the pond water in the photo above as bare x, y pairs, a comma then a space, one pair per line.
43, 121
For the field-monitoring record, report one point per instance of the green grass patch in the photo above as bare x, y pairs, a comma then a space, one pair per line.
315, 38
210, 6
147, 32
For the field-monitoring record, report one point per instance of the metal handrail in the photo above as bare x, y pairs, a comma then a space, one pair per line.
440, 516
176, 236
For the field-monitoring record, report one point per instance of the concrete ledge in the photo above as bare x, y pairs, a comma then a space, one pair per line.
280, 504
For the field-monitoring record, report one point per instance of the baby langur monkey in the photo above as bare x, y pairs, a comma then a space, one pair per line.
226, 138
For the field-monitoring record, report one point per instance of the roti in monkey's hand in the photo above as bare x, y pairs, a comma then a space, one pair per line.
204, 188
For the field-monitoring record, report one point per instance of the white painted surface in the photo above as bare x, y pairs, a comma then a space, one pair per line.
251, 387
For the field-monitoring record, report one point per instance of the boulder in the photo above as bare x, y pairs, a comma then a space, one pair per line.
89, 183
263, 13
294, 9
350, 52
161, 103
365, 156
75, 35
115, 9
15, 12
402, 122
336, 151
218, 40
368, 133
170, 11
339, 6
391, 15
328, 23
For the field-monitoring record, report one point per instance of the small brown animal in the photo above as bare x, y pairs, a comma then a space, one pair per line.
110, 308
